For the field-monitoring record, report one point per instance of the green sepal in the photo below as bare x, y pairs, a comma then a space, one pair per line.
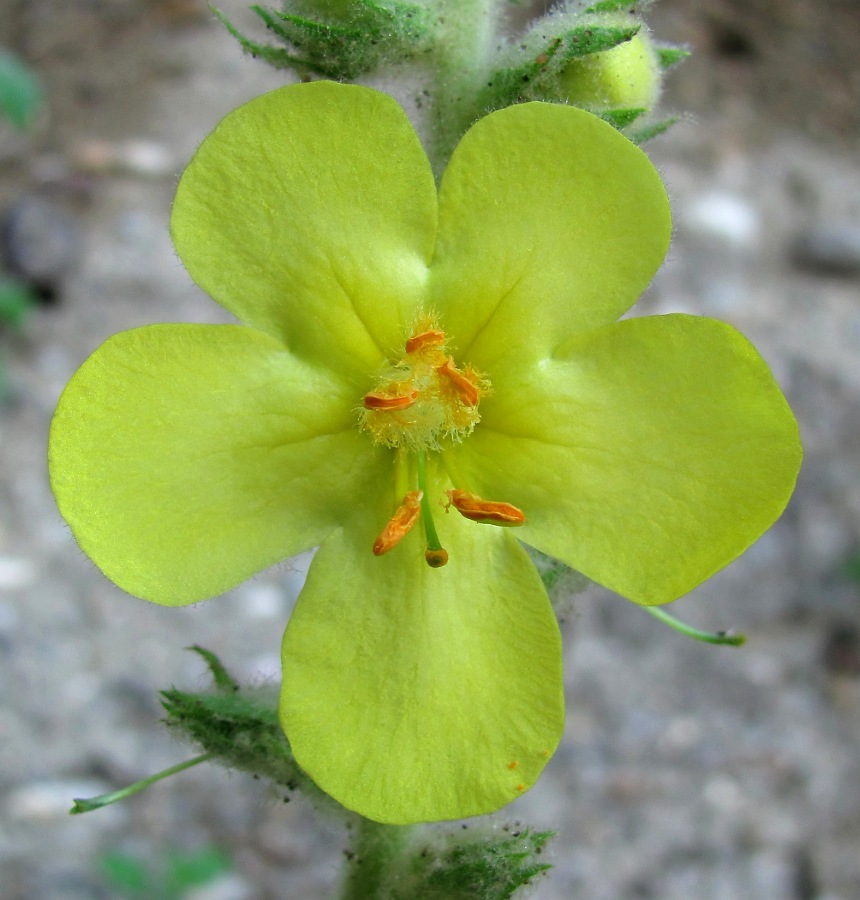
621, 118
274, 56
669, 56
240, 727
340, 40
537, 77
653, 130
328, 50
613, 6
481, 868
224, 681
579, 42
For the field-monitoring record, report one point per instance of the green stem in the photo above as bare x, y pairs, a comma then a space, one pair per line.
709, 637
462, 48
88, 805
374, 849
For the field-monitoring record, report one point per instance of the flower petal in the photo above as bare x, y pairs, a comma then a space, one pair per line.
310, 213
652, 453
414, 694
550, 223
186, 458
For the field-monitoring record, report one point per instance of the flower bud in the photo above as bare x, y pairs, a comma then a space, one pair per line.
625, 77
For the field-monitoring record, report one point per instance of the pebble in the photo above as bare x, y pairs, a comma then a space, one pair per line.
16, 574
49, 800
831, 248
8, 626
136, 156
263, 601
228, 887
726, 217
40, 240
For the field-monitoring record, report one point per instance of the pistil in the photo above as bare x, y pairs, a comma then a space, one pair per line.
435, 555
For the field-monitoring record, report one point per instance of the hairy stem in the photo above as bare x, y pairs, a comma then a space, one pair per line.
466, 31
375, 848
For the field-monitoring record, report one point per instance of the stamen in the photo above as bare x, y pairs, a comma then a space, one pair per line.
431, 338
465, 389
400, 524
486, 512
436, 555
380, 401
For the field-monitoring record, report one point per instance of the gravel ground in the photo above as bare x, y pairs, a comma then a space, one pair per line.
687, 771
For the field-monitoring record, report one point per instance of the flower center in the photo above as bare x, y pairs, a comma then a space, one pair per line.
424, 397
418, 401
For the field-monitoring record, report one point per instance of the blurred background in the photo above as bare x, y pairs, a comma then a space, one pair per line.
687, 771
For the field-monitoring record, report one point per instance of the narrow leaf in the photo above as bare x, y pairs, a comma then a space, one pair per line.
651, 131
222, 678
487, 868
621, 118
670, 56
20, 92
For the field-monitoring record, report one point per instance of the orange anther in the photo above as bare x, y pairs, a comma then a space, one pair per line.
400, 524
463, 386
521, 787
488, 512
513, 764
386, 402
431, 338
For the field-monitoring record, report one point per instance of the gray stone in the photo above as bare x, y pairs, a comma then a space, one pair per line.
40, 240
829, 247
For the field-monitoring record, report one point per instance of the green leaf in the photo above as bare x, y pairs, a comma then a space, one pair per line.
464, 868
579, 42
188, 870
223, 679
340, 40
241, 729
640, 136
16, 303
127, 874
621, 118
670, 56
274, 56
21, 94
327, 49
